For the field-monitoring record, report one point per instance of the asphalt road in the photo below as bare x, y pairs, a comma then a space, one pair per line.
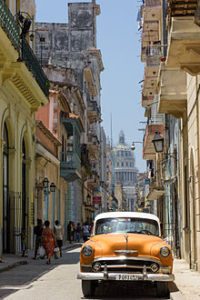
39, 281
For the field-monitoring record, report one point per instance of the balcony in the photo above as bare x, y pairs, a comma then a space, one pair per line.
148, 147
70, 166
93, 145
184, 44
93, 111
34, 67
152, 10
93, 181
150, 31
70, 160
148, 53
147, 101
172, 91
182, 8
9, 25
85, 163
28, 79
89, 78
155, 193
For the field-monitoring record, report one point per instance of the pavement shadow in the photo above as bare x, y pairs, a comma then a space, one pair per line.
126, 291
22, 276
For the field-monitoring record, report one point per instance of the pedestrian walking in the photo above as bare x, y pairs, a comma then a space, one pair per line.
38, 236
48, 240
86, 232
69, 227
78, 232
72, 231
23, 243
58, 232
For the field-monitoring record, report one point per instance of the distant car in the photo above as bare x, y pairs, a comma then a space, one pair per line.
126, 246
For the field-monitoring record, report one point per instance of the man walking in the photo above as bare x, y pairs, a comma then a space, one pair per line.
38, 232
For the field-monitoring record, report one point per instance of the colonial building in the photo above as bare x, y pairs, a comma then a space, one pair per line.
23, 89
72, 47
176, 168
124, 175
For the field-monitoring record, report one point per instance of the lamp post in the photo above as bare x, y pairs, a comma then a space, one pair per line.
158, 142
47, 191
52, 190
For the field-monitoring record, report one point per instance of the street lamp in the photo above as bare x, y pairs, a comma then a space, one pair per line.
25, 22
133, 145
45, 182
158, 142
52, 187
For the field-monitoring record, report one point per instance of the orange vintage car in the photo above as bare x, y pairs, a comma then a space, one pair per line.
126, 246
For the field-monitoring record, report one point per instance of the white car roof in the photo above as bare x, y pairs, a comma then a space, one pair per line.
127, 214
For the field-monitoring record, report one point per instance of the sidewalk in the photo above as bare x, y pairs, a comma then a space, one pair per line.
187, 282
10, 261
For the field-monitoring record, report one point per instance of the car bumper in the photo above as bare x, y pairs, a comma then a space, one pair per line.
125, 276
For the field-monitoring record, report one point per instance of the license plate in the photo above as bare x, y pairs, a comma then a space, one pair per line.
126, 277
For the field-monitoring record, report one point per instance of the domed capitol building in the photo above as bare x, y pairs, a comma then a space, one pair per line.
124, 175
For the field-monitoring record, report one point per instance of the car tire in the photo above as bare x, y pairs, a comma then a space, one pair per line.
162, 289
88, 287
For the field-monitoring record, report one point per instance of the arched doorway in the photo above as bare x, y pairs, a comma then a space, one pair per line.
24, 206
193, 211
6, 204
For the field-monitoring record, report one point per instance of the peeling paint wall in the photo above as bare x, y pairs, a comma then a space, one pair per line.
67, 45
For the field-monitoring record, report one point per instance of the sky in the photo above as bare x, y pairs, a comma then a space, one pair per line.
119, 41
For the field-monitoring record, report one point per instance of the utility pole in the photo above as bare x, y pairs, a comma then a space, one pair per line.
111, 141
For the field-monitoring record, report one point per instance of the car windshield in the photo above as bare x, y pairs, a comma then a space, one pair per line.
127, 225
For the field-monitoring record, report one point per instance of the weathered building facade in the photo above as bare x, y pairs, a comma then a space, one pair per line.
23, 89
174, 35
72, 46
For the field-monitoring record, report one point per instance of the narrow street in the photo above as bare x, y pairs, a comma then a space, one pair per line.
37, 280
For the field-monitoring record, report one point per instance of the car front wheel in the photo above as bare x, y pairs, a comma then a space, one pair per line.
88, 287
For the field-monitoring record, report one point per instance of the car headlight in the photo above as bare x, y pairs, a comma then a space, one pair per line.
164, 251
87, 250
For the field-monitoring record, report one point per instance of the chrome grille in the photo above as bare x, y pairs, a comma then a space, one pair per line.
127, 265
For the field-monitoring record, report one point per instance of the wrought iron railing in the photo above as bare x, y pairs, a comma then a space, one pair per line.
12, 29
33, 65
9, 25
153, 3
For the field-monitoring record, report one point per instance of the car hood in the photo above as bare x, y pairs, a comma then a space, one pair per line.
107, 244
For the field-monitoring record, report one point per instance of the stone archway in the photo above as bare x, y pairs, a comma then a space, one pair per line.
193, 211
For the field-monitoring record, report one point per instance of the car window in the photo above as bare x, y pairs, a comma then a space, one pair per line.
127, 225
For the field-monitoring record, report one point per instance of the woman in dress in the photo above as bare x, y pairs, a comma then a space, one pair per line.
48, 240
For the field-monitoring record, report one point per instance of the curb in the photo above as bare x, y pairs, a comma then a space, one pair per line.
9, 266
72, 246
177, 296
13, 265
